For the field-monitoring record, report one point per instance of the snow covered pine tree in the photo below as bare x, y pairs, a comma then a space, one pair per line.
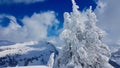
83, 42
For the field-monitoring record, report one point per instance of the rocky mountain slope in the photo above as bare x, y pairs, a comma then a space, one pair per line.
28, 53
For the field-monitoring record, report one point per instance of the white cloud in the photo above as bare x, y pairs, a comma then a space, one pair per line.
109, 19
56, 41
35, 27
19, 1
101, 6
108, 14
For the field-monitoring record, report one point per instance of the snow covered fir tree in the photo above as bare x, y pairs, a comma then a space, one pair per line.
84, 47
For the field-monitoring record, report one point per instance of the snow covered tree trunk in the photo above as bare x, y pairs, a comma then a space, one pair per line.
51, 61
83, 42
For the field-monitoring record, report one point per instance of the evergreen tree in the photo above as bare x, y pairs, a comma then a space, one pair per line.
84, 47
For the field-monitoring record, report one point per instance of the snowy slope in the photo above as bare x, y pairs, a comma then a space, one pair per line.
116, 57
30, 67
114, 64
5, 43
28, 53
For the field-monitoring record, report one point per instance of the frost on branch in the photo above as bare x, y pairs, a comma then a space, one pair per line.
83, 42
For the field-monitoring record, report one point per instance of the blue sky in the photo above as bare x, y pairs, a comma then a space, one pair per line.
36, 19
19, 10
17, 16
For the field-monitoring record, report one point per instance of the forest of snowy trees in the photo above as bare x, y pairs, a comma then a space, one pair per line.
84, 47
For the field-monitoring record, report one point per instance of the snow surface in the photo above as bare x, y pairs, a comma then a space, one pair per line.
116, 57
30, 67
51, 60
28, 53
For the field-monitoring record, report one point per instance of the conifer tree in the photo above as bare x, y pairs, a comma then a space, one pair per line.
84, 47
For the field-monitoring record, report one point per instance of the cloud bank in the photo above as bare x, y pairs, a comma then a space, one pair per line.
19, 1
35, 27
108, 13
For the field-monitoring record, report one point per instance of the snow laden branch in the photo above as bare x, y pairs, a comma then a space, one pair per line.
84, 47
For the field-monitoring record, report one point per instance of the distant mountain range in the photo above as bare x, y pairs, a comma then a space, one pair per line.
115, 59
34, 53
25, 54
5, 43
